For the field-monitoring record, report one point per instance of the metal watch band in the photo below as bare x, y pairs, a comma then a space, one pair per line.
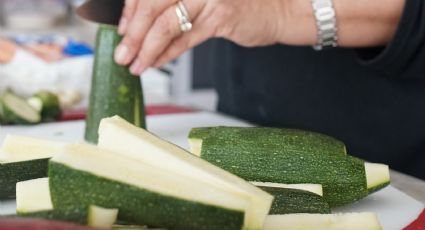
324, 13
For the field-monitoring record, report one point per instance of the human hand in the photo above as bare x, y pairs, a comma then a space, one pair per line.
152, 34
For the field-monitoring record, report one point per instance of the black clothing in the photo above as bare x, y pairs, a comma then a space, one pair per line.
372, 99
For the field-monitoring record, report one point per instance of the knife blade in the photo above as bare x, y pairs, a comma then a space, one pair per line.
102, 11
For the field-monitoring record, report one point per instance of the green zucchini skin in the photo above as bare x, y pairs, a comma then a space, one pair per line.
288, 201
115, 91
11, 173
343, 177
283, 138
135, 205
51, 109
378, 188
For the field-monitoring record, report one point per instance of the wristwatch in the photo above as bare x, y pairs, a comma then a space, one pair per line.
324, 13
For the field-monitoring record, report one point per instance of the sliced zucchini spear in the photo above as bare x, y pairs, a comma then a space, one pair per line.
16, 110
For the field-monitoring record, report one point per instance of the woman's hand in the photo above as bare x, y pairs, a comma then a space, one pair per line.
152, 34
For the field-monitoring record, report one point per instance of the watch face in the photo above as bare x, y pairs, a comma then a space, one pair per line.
102, 11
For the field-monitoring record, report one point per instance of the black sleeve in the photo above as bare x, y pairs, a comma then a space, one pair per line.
404, 56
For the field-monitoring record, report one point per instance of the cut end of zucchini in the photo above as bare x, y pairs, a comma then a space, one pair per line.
313, 188
377, 176
346, 221
36, 103
20, 148
99, 217
16, 110
33, 196
195, 146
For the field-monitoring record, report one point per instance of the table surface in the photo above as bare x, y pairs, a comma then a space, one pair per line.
410, 185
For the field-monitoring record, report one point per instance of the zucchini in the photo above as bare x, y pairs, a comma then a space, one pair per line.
295, 198
114, 90
33, 200
346, 221
344, 178
25, 148
101, 217
142, 146
313, 188
287, 200
377, 176
13, 172
47, 103
21, 159
16, 110
87, 175
285, 139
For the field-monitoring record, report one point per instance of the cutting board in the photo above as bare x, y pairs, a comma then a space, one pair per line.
394, 208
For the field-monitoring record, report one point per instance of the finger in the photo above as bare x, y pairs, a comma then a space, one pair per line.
179, 46
200, 33
165, 29
127, 14
146, 13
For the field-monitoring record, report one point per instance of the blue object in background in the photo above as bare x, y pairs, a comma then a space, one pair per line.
77, 49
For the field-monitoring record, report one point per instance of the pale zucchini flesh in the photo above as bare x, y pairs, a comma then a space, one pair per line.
99, 217
143, 146
346, 221
33, 196
17, 148
377, 176
107, 179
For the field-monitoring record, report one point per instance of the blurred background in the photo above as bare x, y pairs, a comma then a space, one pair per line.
45, 46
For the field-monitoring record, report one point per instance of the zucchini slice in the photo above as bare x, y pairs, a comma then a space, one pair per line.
143, 193
142, 146
16, 110
290, 156
99, 217
23, 158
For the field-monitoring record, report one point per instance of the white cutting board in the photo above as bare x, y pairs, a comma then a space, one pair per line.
394, 208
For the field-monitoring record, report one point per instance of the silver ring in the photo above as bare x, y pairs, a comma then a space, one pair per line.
183, 16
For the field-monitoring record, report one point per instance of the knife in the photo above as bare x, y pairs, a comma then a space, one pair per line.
102, 11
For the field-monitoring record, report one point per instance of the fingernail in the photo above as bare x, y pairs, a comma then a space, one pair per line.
121, 54
122, 26
136, 68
